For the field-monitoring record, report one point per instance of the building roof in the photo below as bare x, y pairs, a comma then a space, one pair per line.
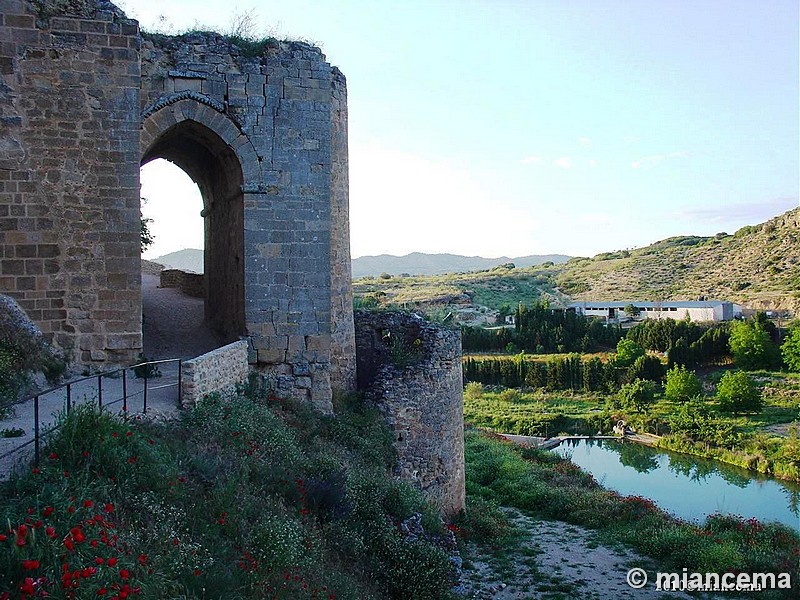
642, 304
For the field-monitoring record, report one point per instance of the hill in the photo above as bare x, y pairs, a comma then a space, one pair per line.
188, 259
419, 263
758, 266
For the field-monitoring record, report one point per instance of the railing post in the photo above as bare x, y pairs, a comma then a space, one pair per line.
100, 392
180, 378
144, 408
125, 392
69, 397
36, 430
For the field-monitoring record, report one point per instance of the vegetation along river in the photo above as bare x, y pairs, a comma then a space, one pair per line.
686, 486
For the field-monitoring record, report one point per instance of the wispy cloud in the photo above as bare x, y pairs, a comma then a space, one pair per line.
531, 160
742, 213
656, 159
585, 141
592, 163
565, 162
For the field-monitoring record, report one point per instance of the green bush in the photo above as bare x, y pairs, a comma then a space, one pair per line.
737, 393
681, 384
638, 395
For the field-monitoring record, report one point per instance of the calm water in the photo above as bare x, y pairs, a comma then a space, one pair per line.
686, 486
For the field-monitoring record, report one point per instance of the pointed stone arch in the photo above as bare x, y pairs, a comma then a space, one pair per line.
191, 132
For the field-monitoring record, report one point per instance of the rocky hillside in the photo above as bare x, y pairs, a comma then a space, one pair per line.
758, 266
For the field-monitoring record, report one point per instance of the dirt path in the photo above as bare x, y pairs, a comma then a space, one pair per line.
172, 323
558, 560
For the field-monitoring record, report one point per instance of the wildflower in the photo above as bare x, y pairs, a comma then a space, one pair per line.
142, 559
85, 454
112, 562
197, 572
133, 459
53, 456
30, 565
50, 532
99, 560
102, 591
27, 586
88, 504
88, 572
47, 511
77, 534
69, 544
108, 508
3, 537
35, 471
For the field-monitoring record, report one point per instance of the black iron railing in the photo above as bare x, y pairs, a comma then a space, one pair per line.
145, 371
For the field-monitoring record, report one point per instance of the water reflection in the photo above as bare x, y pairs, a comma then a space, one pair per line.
687, 486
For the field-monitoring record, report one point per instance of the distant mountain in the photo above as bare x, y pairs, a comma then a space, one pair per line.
189, 259
758, 266
419, 263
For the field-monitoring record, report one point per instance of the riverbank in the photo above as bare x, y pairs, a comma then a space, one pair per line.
549, 487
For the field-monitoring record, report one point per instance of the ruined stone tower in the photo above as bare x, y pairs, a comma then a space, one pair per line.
86, 99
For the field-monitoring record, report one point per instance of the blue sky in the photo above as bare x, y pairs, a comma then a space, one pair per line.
542, 126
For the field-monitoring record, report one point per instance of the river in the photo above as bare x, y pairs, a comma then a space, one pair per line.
686, 486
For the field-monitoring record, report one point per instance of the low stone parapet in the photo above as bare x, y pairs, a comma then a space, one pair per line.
220, 370
191, 284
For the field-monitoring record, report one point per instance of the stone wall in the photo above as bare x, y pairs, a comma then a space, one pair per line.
69, 173
191, 284
220, 370
85, 100
411, 370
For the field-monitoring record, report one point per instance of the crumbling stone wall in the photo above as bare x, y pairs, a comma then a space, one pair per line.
220, 370
411, 370
85, 100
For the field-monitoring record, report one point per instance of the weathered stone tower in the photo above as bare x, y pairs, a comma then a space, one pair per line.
411, 370
85, 100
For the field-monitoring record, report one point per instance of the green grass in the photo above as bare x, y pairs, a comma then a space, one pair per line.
243, 498
551, 487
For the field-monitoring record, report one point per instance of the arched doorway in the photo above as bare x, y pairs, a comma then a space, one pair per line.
213, 165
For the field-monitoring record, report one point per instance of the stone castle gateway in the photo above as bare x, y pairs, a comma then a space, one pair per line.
86, 100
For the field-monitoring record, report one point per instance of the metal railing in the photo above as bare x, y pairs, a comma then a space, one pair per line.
142, 371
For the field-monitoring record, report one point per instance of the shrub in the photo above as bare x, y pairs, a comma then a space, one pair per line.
473, 391
737, 393
681, 384
627, 352
790, 349
637, 395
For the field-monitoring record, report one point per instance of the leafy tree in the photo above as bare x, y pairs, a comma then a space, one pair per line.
681, 384
637, 395
751, 346
737, 393
791, 348
627, 352
646, 367
632, 311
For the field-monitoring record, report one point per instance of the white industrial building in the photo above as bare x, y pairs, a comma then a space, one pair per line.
700, 310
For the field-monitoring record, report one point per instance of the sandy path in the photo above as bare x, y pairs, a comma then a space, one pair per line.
173, 324
558, 560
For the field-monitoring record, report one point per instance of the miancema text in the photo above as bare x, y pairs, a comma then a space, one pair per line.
722, 582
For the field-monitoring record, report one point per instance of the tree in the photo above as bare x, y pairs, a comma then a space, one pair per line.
681, 384
751, 346
627, 352
637, 395
632, 311
791, 348
737, 393
146, 237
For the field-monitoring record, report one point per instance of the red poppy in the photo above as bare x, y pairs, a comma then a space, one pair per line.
99, 560
108, 508
88, 572
3, 537
27, 586
35, 470
197, 572
123, 573
88, 504
69, 544
101, 592
133, 459
53, 456
142, 559
47, 511
77, 534
85, 454
50, 532
30, 565
112, 562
